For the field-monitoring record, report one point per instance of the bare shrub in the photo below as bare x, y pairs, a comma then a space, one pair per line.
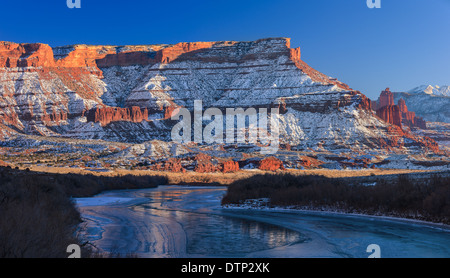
426, 199
37, 216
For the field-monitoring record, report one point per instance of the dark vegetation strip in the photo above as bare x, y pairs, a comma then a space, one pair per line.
425, 199
37, 216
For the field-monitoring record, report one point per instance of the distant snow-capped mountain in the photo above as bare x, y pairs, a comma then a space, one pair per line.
429, 102
432, 90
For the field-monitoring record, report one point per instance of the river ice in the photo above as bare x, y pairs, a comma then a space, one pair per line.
185, 221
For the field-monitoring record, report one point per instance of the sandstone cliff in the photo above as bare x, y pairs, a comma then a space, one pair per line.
127, 93
396, 114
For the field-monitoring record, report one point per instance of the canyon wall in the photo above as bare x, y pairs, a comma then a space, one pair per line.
127, 93
396, 114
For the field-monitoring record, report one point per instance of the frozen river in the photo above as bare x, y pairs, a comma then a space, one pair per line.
184, 221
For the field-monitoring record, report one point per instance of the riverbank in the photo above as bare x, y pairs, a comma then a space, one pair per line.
419, 197
259, 205
40, 220
188, 222
218, 178
38, 217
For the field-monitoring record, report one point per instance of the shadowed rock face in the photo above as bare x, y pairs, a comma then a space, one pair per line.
386, 98
127, 93
402, 105
391, 114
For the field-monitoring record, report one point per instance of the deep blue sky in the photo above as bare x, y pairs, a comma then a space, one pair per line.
404, 44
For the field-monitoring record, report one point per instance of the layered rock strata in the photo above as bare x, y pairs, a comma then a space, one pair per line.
128, 93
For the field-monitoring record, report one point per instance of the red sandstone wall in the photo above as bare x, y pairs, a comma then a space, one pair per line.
402, 105
106, 115
386, 98
41, 55
409, 116
84, 56
170, 53
26, 55
365, 103
390, 114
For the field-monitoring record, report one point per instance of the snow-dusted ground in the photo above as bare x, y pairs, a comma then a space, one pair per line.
181, 221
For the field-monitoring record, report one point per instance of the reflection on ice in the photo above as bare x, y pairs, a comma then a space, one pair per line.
208, 233
177, 221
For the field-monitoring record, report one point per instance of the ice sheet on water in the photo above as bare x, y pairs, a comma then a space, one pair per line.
100, 201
